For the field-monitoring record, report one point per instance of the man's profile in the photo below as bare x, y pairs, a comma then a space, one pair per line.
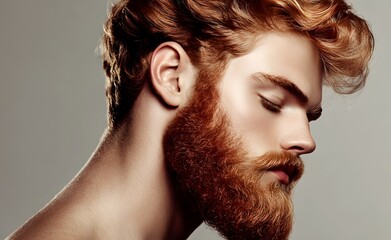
209, 105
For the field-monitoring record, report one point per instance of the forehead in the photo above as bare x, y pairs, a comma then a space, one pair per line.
284, 54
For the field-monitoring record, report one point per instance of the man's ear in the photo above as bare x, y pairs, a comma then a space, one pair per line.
171, 73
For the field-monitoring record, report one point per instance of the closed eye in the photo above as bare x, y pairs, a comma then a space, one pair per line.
269, 105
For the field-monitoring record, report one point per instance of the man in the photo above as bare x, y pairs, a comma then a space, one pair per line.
209, 110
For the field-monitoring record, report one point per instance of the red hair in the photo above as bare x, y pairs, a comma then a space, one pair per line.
214, 31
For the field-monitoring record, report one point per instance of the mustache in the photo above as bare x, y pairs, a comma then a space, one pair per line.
288, 162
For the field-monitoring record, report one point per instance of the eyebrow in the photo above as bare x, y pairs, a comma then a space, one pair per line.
289, 86
283, 83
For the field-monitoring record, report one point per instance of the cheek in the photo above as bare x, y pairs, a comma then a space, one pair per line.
260, 128
256, 126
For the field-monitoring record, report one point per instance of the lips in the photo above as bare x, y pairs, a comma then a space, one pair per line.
282, 176
286, 173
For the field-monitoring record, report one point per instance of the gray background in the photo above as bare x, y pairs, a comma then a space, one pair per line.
52, 114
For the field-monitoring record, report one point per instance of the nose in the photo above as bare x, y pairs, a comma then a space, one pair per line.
297, 138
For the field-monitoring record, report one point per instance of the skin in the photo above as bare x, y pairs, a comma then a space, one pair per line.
124, 190
262, 129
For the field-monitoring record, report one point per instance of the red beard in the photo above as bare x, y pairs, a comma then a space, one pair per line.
217, 178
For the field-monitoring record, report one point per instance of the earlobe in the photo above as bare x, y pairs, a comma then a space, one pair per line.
168, 66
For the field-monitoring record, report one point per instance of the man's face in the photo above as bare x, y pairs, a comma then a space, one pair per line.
234, 149
262, 93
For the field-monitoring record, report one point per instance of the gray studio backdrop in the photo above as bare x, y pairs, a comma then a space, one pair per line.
52, 114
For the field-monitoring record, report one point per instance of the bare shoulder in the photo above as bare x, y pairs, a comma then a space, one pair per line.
57, 220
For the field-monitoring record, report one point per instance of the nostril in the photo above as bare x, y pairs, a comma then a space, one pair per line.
307, 147
299, 147
298, 139
297, 150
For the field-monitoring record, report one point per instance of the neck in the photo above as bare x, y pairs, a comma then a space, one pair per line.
136, 196
124, 191
130, 192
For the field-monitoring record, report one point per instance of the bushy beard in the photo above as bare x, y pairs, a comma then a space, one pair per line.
218, 179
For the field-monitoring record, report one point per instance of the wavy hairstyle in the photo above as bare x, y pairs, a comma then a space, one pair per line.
214, 31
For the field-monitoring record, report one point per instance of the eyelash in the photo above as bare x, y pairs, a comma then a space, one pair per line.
275, 108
